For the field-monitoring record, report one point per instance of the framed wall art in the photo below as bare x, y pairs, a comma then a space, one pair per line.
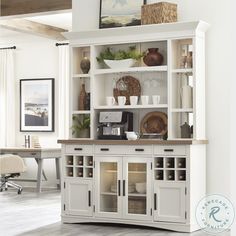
37, 105
119, 13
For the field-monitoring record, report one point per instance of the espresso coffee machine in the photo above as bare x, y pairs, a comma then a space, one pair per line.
113, 124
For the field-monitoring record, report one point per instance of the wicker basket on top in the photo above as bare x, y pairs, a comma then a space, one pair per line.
157, 13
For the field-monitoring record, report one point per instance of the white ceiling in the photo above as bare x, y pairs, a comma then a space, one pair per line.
60, 20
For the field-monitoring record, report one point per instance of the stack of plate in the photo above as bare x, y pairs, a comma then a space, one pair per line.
131, 188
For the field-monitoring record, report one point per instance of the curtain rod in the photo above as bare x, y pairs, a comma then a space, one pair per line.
61, 44
14, 47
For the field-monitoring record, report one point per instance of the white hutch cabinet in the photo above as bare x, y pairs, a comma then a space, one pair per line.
148, 182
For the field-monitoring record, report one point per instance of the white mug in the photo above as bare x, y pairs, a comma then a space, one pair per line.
156, 99
133, 100
144, 100
121, 100
110, 101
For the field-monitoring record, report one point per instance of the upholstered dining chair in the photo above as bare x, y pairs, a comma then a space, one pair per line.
10, 166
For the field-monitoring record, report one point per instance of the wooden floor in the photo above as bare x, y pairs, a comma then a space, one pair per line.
33, 214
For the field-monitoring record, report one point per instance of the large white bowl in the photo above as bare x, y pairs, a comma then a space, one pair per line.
141, 187
120, 64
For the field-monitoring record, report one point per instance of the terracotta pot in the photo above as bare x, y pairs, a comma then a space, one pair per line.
153, 57
85, 65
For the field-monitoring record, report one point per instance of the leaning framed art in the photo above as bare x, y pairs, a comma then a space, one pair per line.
37, 105
120, 13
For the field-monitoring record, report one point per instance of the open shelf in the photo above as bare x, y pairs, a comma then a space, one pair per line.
188, 110
169, 81
81, 75
80, 112
131, 107
132, 69
184, 71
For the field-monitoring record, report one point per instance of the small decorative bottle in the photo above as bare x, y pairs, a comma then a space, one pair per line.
82, 98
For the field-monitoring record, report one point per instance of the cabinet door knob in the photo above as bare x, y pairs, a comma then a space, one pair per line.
139, 150
78, 149
168, 150
104, 149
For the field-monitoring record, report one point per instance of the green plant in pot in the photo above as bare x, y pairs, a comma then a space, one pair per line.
81, 127
120, 58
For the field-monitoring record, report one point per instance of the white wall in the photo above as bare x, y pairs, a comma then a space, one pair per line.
218, 57
38, 59
35, 58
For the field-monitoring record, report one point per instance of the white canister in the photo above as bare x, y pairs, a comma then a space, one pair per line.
186, 93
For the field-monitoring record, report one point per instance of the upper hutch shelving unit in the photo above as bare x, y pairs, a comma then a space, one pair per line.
169, 78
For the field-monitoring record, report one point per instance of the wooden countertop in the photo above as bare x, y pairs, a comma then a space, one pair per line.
133, 142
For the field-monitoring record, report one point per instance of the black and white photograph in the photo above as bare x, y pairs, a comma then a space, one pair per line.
37, 108
119, 13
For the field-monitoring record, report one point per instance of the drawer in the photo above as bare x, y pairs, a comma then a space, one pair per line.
170, 150
79, 149
122, 150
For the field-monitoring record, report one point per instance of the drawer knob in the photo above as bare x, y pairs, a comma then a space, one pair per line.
104, 149
168, 150
139, 150
78, 149
33, 153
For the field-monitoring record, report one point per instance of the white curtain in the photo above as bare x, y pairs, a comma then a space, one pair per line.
7, 99
63, 102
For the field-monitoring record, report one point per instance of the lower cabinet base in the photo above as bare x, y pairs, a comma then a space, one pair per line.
178, 227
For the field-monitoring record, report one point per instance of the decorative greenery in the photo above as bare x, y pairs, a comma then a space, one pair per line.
79, 125
108, 54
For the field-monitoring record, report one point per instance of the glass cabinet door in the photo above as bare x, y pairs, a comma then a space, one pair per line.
109, 186
136, 188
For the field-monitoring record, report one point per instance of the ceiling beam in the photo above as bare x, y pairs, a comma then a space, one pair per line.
20, 7
31, 27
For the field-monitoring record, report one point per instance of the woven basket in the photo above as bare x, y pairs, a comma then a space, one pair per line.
157, 13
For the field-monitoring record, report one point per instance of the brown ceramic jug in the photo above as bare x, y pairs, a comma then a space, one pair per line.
185, 130
153, 57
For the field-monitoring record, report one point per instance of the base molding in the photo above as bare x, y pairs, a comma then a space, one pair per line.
178, 227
